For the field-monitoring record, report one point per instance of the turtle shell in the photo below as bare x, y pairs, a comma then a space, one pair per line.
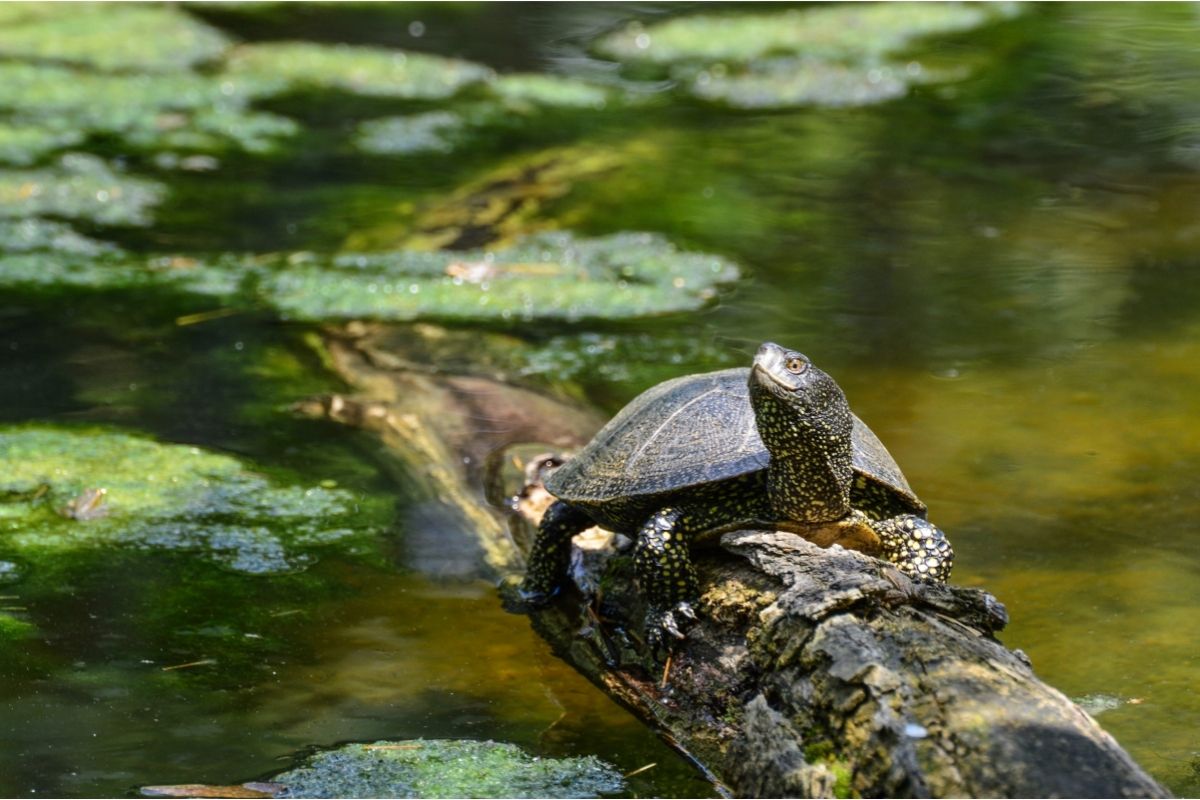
692, 431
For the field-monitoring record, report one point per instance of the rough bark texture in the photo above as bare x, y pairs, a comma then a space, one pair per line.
812, 672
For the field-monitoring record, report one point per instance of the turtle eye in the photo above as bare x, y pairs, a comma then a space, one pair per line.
795, 365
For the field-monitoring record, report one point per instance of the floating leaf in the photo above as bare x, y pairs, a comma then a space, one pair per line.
281, 66
129, 36
162, 497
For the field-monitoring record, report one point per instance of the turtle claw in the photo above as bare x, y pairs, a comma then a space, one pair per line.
517, 599
666, 627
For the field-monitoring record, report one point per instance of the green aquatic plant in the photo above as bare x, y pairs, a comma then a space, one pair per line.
122, 36
60, 261
277, 67
80, 186
796, 82
22, 144
548, 276
550, 91
40, 235
66, 490
513, 100
430, 132
834, 55
149, 110
851, 33
500, 205
446, 768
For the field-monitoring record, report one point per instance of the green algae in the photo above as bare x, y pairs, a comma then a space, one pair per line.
515, 99
447, 768
548, 276
161, 497
850, 33
147, 109
552, 91
431, 132
633, 358
80, 187
500, 205
13, 628
39, 235
836, 55
50, 269
22, 144
795, 82
277, 67
121, 36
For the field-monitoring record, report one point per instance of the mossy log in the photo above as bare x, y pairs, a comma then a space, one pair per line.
812, 672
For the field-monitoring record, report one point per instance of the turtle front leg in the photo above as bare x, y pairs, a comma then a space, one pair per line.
663, 565
551, 551
916, 546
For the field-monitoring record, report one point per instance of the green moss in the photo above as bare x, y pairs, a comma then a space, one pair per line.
831, 55
447, 768
843, 784
161, 497
282, 66
79, 187
130, 36
549, 276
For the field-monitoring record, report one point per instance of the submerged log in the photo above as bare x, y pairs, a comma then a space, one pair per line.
812, 672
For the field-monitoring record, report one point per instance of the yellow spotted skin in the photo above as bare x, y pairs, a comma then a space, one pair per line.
805, 424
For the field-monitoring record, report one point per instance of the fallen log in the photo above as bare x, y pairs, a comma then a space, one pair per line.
812, 672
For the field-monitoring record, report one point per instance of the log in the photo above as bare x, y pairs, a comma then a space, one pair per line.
812, 672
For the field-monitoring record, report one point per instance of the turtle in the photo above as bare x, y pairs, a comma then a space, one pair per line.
773, 446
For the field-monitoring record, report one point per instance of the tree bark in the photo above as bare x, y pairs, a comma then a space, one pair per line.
812, 672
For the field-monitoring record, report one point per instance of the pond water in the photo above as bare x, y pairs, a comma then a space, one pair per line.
1000, 269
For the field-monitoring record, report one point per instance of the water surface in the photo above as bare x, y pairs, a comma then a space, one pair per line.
1000, 271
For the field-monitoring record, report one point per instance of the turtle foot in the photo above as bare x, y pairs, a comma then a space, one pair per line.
519, 597
667, 627
917, 547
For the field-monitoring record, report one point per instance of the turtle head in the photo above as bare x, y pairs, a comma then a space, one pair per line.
805, 423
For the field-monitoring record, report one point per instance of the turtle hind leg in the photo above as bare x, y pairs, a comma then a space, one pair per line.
916, 546
668, 580
551, 551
